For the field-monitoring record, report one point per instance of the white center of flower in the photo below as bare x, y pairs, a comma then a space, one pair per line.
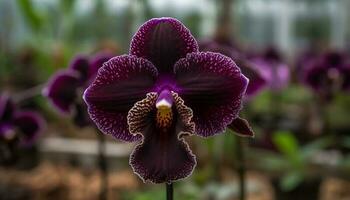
163, 103
164, 110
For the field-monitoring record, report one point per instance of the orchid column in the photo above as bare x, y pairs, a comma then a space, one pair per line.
163, 91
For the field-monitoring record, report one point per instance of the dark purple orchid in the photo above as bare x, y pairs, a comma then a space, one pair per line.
328, 73
65, 87
163, 90
15, 124
256, 81
274, 70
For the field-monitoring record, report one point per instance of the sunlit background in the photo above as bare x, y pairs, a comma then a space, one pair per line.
302, 142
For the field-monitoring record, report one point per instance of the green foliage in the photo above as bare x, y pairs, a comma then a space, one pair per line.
308, 150
67, 6
183, 191
288, 145
296, 94
30, 15
296, 156
291, 180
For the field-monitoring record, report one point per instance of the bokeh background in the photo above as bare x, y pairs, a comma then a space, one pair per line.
302, 142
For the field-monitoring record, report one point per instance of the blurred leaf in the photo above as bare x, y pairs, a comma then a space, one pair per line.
346, 142
30, 14
274, 163
345, 164
288, 145
209, 143
296, 94
261, 102
152, 192
317, 145
67, 5
291, 181
229, 141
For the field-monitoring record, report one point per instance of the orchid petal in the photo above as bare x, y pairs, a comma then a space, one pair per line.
212, 86
163, 41
119, 84
30, 125
62, 90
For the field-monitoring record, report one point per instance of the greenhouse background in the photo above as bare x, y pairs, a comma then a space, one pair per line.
299, 49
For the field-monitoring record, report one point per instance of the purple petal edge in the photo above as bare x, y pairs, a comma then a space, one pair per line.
151, 40
36, 119
213, 86
49, 90
125, 80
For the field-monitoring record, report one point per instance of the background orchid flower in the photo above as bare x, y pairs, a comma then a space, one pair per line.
20, 125
163, 90
274, 70
65, 87
328, 73
256, 81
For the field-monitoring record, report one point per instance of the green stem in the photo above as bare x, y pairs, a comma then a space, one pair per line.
102, 164
169, 191
240, 166
28, 93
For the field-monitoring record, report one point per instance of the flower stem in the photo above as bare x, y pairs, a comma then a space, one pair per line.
169, 191
28, 93
240, 166
102, 164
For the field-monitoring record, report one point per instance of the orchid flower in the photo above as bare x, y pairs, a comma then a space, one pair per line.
164, 90
328, 73
21, 125
65, 86
273, 69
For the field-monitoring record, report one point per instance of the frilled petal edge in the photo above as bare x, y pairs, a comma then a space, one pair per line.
162, 155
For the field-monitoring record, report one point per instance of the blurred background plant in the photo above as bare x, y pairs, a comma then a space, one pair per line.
300, 112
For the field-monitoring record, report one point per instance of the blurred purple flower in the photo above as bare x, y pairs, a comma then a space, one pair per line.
272, 69
328, 73
164, 90
24, 126
256, 81
65, 87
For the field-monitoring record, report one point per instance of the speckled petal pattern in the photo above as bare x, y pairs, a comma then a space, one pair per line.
256, 81
121, 82
96, 63
212, 86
